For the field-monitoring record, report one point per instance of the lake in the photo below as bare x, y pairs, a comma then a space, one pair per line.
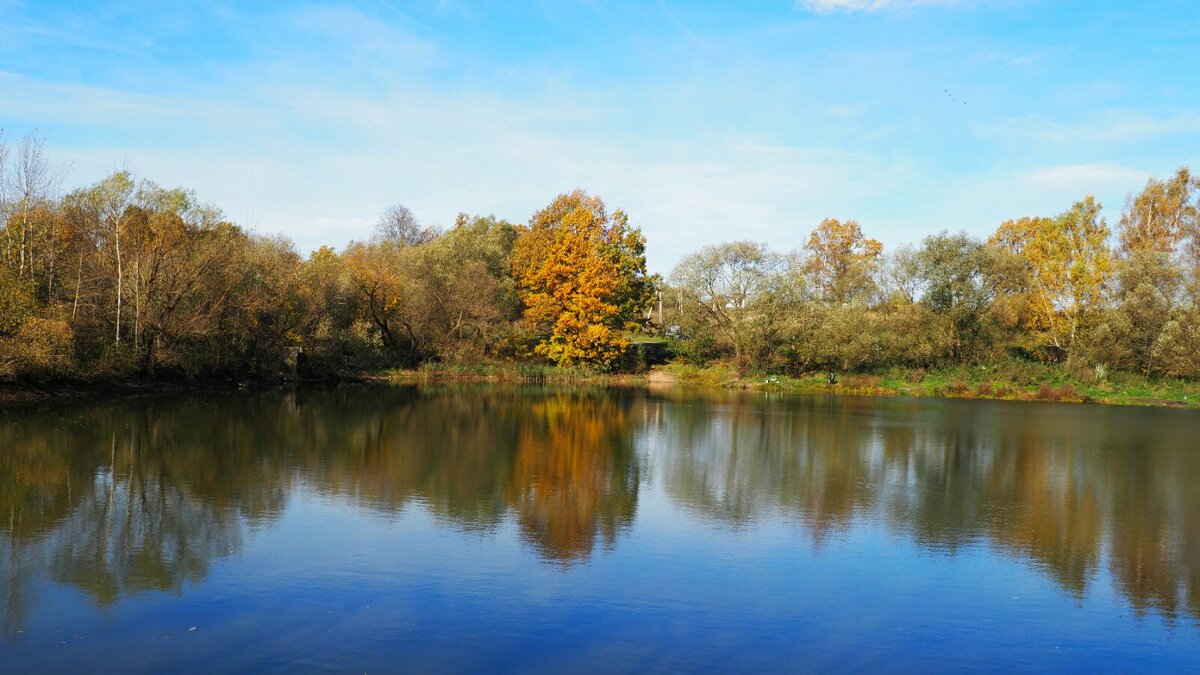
505, 528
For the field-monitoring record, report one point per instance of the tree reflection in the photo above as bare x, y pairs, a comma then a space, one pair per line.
132, 496
575, 478
142, 495
1061, 487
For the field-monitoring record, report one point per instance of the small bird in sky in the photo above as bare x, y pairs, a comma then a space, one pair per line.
952, 97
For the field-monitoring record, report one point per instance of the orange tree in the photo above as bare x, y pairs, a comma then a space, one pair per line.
582, 278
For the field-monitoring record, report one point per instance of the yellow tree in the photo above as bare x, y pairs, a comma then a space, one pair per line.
1161, 215
582, 278
1067, 263
841, 260
1025, 302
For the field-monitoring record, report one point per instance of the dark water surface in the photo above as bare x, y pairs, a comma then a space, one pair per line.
371, 529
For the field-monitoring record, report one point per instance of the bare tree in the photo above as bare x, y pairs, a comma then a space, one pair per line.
29, 184
111, 199
399, 226
900, 275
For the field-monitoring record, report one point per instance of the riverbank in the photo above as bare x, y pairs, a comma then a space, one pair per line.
34, 390
1018, 381
1009, 382
507, 372
1006, 381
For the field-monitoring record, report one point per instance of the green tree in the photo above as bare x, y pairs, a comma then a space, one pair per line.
956, 273
735, 290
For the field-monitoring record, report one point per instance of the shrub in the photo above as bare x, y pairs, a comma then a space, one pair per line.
957, 387
1063, 392
39, 347
861, 382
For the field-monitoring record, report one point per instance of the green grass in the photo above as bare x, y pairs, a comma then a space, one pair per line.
1014, 380
1008, 380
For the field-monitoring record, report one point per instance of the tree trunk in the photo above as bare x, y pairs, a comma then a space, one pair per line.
137, 299
117, 230
78, 284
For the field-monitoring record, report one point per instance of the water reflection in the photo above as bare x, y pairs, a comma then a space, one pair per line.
122, 497
1053, 485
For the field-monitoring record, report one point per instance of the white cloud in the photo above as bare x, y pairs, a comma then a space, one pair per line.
846, 110
979, 203
1113, 126
314, 143
832, 6
1080, 179
325, 177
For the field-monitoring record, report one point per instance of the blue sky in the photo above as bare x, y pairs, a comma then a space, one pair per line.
706, 121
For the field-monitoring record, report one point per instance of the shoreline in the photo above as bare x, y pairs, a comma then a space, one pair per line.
1185, 395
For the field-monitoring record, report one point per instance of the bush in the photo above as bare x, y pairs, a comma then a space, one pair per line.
861, 382
16, 304
1063, 392
957, 387
40, 347
1177, 350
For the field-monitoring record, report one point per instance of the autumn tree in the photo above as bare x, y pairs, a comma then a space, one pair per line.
26, 186
900, 275
464, 296
1024, 304
841, 261
380, 272
108, 202
1150, 270
581, 274
1067, 262
1161, 215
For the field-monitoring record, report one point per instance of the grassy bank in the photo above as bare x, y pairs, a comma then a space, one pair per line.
1014, 381
506, 372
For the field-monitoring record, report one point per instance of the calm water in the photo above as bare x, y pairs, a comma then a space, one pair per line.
530, 529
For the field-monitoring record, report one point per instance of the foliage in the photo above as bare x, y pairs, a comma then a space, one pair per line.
125, 278
582, 278
735, 292
841, 261
1066, 261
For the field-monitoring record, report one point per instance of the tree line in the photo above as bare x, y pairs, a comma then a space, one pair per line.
1053, 289
127, 278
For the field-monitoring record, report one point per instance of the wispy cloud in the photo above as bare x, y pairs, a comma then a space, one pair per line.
705, 124
1114, 126
1079, 179
832, 6
846, 110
